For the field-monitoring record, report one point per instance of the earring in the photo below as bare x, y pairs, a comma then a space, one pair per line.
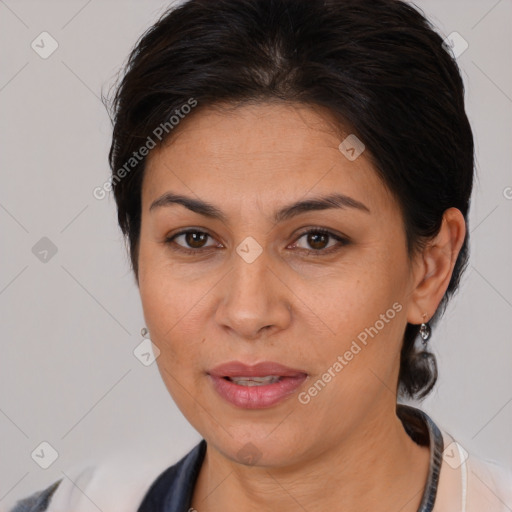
144, 332
425, 330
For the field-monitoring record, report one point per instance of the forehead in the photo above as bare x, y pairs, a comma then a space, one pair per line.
260, 150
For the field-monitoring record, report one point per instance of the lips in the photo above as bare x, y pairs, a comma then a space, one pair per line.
256, 386
264, 369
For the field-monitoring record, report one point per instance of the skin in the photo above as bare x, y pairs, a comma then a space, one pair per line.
288, 306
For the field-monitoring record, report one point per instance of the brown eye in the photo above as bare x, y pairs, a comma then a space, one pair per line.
190, 240
317, 240
195, 239
320, 241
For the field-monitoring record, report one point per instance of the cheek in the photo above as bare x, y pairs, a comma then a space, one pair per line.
355, 294
161, 300
362, 312
165, 312
172, 321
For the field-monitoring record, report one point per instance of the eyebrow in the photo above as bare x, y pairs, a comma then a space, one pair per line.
206, 209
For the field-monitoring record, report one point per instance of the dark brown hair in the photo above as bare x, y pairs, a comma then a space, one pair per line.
377, 66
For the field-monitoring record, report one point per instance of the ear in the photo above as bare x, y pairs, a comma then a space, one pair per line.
433, 267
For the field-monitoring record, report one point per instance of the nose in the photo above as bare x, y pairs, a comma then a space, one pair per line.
255, 301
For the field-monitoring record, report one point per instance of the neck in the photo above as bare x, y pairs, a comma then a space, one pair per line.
375, 468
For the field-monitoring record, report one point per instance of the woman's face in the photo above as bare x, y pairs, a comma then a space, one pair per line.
249, 285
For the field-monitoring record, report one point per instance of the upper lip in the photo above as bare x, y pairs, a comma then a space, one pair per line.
239, 369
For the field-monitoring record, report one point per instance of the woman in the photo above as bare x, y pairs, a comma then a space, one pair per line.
293, 178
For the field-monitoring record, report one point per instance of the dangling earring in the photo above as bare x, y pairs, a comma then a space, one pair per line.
144, 332
425, 330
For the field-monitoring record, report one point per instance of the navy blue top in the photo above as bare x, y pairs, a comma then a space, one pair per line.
173, 489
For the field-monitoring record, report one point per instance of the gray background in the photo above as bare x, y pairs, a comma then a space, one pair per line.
70, 324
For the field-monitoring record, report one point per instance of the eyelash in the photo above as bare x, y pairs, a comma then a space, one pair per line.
316, 231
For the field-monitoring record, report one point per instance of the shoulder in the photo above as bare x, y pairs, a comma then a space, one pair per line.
470, 483
116, 484
489, 485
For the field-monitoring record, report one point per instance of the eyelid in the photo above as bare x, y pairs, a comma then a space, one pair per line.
341, 239
169, 240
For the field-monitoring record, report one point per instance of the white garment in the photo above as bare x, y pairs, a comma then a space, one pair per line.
466, 484
469, 484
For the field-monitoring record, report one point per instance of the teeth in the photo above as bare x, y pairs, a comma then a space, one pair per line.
254, 381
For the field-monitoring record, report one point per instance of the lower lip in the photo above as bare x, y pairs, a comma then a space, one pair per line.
256, 397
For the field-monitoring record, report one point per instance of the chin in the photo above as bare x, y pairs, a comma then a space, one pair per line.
261, 446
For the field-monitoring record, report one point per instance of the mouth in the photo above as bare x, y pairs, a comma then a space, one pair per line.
255, 386
254, 381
